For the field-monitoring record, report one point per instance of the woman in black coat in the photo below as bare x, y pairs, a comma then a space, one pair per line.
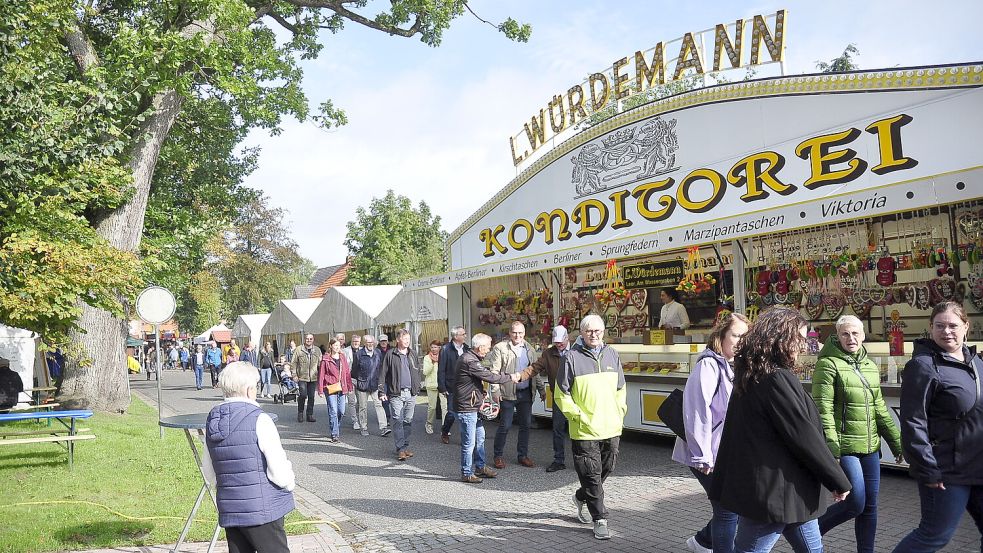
942, 429
773, 460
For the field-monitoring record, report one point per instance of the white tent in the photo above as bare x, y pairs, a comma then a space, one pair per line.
21, 348
250, 327
429, 304
207, 335
288, 321
347, 308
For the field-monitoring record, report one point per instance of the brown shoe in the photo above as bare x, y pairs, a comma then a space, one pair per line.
527, 462
408, 453
402, 456
499, 463
471, 479
486, 472
445, 438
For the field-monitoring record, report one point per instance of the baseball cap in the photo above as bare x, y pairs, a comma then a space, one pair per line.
559, 334
383, 338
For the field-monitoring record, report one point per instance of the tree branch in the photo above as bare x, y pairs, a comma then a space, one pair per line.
338, 6
478, 17
81, 50
283, 22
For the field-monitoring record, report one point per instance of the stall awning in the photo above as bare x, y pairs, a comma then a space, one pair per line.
347, 308
250, 327
415, 305
290, 316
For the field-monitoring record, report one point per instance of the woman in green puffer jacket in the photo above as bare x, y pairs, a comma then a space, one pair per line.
847, 391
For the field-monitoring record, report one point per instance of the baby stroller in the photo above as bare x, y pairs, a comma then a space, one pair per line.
285, 394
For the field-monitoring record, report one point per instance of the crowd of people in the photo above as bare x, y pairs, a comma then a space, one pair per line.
761, 446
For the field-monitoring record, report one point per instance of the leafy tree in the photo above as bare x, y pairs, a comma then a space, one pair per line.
393, 241
205, 295
260, 264
93, 95
845, 62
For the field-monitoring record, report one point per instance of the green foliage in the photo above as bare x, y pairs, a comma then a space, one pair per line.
393, 241
259, 264
204, 296
844, 62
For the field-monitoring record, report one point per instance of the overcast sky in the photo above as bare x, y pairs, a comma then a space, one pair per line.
433, 123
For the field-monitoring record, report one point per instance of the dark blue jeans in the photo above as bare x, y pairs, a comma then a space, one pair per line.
719, 532
561, 435
450, 416
521, 407
941, 511
759, 537
864, 472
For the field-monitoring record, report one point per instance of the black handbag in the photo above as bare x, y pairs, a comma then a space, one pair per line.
671, 413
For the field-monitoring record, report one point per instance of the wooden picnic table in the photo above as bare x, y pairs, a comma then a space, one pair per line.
65, 437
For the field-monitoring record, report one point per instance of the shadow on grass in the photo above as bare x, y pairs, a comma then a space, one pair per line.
32, 459
103, 533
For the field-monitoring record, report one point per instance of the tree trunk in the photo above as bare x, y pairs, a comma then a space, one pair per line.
95, 377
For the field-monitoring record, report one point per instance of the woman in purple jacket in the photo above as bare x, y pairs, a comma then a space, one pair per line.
705, 400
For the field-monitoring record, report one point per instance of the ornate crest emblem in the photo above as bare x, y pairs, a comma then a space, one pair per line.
625, 156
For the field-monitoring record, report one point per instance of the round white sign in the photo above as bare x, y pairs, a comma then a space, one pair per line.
156, 305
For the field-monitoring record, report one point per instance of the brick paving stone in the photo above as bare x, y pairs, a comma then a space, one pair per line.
384, 506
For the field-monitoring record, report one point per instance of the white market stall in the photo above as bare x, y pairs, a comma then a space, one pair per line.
206, 336
250, 327
351, 309
423, 312
288, 321
22, 349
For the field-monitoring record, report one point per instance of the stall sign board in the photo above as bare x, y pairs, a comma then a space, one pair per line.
653, 275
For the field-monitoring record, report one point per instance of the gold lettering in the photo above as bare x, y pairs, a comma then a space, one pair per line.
774, 42
618, 198
721, 42
525, 225
582, 215
683, 192
557, 105
544, 224
537, 134
576, 107
647, 76
516, 160
749, 172
619, 78
643, 193
686, 49
490, 238
888, 133
821, 159
598, 102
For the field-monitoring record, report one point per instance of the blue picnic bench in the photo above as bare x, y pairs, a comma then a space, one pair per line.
66, 437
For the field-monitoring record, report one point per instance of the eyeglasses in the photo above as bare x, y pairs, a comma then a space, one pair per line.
942, 326
594, 331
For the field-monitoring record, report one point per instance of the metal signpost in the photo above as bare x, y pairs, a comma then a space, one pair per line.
156, 305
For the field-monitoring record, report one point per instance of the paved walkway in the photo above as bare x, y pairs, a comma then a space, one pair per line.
382, 505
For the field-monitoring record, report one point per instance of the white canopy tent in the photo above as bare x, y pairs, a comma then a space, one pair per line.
348, 308
288, 320
250, 327
429, 304
204, 337
21, 348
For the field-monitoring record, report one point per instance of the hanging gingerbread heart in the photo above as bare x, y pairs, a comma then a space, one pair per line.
815, 310
620, 301
638, 298
941, 289
922, 297
570, 274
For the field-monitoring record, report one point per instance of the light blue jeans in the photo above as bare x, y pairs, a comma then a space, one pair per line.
403, 408
472, 443
336, 412
760, 537
264, 381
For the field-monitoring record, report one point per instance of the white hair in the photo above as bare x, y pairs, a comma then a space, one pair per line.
848, 320
592, 318
480, 339
368, 337
457, 329
518, 324
237, 378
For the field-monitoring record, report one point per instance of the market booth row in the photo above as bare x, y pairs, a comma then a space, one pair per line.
858, 193
250, 328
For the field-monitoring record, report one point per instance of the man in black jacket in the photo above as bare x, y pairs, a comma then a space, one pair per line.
468, 395
446, 376
399, 382
366, 361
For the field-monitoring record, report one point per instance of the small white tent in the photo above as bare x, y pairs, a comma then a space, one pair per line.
22, 349
204, 337
348, 308
250, 327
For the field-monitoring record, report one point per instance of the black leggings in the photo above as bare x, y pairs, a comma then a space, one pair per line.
306, 394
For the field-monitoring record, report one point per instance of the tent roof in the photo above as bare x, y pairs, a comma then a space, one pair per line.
247, 324
290, 316
347, 308
207, 335
429, 304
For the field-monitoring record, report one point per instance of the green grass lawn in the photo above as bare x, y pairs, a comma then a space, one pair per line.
147, 486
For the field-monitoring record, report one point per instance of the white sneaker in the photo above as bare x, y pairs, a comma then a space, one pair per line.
355, 426
601, 531
695, 546
583, 515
